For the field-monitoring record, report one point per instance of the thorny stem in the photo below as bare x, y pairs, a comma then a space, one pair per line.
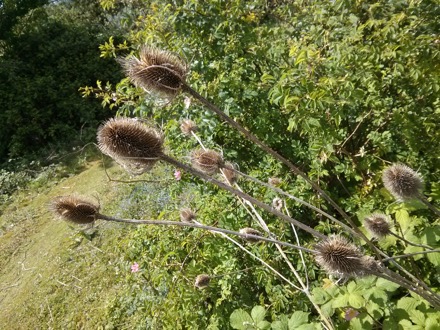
304, 289
296, 199
410, 243
427, 293
200, 226
285, 161
424, 200
410, 255
243, 195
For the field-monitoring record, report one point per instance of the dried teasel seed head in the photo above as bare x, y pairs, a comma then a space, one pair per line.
202, 281
402, 182
188, 126
131, 143
377, 225
75, 209
340, 257
228, 171
250, 231
277, 203
274, 182
187, 215
207, 161
159, 72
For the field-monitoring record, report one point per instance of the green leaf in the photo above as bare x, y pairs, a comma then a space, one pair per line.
281, 324
258, 314
386, 285
263, 325
298, 318
404, 220
240, 319
417, 317
356, 300
408, 303
341, 301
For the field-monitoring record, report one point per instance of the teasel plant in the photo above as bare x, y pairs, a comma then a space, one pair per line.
163, 73
131, 142
406, 184
231, 175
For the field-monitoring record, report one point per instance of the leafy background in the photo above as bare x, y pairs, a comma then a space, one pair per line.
341, 88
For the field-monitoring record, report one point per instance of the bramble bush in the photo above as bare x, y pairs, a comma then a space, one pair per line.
341, 89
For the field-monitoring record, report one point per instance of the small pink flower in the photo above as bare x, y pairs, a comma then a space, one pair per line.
135, 267
177, 175
350, 314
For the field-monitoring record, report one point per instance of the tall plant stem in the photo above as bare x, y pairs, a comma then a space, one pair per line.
424, 200
200, 226
410, 243
285, 161
241, 194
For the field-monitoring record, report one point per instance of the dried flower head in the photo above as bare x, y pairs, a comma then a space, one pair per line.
277, 203
377, 225
75, 209
187, 215
402, 182
131, 143
156, 71
229, 173
340, 257
188, 126
202, 281
207, 161
274, 182
250, 231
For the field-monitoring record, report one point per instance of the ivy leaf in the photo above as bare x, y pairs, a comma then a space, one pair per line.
241, 320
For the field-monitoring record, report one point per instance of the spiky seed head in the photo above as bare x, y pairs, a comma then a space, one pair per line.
274, 182
402, 181
75, 209
377, 225
277, 203
131, 143
157, 71
340, 257
188, 126
202, 281
229, 173
207, 161
250, 231
187, 215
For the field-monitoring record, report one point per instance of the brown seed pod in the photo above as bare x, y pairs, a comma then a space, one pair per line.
74, 209
377, 225
250, 231
340, 257
402, 182
132, 144
202, 281
277, 203
188, 126
187, 215
229, 173
274, 181
207, 161
156, 71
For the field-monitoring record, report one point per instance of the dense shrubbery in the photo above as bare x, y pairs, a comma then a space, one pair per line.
340, 88
48, 54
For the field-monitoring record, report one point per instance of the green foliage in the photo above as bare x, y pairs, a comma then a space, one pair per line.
53, 52
341, 88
